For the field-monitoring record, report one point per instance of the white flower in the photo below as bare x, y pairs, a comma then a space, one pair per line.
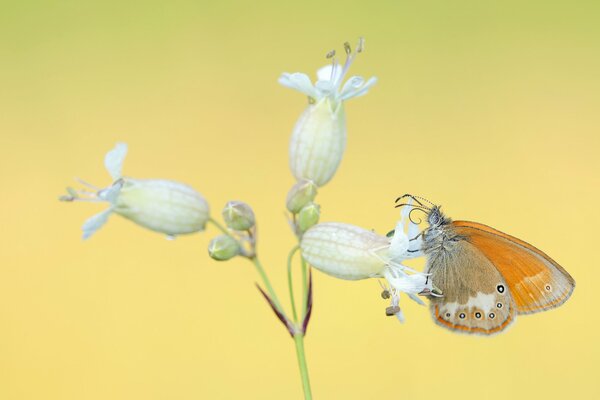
163, 206
351, 252
319, 136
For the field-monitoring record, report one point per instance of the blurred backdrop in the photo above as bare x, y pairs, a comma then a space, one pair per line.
488, 108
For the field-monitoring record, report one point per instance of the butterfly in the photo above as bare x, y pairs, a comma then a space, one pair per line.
486, 277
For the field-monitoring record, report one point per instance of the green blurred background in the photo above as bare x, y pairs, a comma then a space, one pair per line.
490, 108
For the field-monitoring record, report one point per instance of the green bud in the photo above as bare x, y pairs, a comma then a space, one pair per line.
308, 216
238, 216
302, 193
223, 248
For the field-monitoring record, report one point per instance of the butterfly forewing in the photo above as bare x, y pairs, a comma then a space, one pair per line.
535, 281
476, 298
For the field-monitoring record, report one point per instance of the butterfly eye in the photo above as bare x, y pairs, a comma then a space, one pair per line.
548, 288
492, 315
448, 315
477, 315
499, 305
500, 288
462, 315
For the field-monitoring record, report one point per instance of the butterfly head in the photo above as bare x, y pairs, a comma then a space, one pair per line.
435, 217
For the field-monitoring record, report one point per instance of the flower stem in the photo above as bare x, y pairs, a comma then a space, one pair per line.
267, 283
290, 284
304, 286
219, 226
299, 341
299, 335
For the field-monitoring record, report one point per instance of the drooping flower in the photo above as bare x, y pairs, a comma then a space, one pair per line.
319, 136
350, 252
163, 206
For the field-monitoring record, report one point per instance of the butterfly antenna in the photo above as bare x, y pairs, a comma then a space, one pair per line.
409, 196
410, 205
424, 199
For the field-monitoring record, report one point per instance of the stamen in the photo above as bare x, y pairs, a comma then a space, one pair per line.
84, 183
360, 47
392, 310
82, 194
349, 58
347, 48
331, 55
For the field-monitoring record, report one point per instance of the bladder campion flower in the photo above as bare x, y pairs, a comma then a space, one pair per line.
319, 137
163, 206
350, 252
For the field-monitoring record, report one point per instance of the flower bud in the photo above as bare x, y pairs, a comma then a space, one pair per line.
164, 206
308, 216
238, 216
302, 193
342, 250
223, 248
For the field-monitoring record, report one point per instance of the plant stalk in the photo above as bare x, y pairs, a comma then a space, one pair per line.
299, 341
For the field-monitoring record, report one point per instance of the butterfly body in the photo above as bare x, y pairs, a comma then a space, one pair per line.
487, 277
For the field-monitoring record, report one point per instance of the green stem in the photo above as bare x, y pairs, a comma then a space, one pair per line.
219, 226
299, 341
304, 286
267, 283
298, 337
290, 285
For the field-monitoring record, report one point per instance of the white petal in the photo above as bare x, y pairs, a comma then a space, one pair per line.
396, 303
400, 316
325, 87
91, 225
110, 194
300, 82
352, 84
360, 91
406, 210
324, 73
113, 161
416, 299
399, 243
402, 282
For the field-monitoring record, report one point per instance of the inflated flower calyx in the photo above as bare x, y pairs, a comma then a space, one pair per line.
301, 194
308, 216
223, 248
238, 216
164, 206
319, 136
350, 252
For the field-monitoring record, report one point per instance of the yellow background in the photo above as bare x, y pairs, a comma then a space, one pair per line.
489, 108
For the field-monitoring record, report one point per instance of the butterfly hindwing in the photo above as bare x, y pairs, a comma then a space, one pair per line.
476, 298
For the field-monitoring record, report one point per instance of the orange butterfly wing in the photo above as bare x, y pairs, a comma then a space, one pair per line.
536, 282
